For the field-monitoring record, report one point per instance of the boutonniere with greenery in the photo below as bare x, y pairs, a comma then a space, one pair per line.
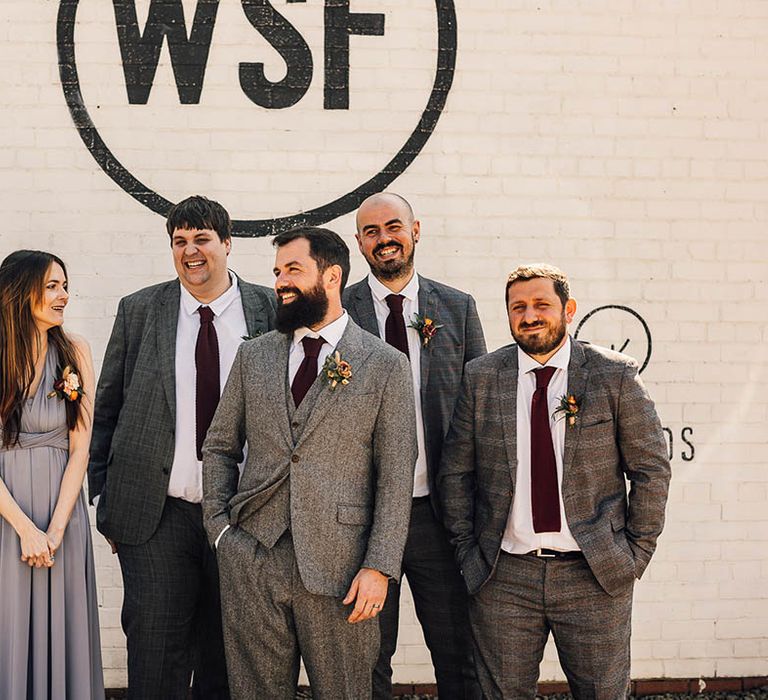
336, 371
67, 387
568, 408
251, 337
426, 327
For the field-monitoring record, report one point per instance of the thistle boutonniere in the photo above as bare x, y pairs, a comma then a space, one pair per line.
568, 408
67, 387
251, 337
426, 327
336, 371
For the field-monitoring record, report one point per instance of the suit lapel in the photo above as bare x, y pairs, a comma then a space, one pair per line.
507, 393
253, 308
427, 304
276, 394
351, 349
578, 373
364, 311
166, 322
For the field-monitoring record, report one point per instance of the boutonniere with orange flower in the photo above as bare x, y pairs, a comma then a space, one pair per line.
568, 408
67, 388
337, 371
426, 327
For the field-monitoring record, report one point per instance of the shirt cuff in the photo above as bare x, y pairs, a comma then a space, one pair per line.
221, 534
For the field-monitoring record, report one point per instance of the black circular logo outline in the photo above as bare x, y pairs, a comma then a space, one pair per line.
630, 311
70, 82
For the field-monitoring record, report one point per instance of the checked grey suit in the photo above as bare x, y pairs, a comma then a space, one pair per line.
617, 434
429, 563
132, 451
325, 490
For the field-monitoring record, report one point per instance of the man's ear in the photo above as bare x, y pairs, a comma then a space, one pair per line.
570, 310
332, 276
416, 230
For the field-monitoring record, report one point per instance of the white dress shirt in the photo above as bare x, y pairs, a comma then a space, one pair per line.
410, 308
519, 536
331, 335
186, 479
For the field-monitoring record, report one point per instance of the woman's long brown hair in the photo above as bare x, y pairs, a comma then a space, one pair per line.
22, 279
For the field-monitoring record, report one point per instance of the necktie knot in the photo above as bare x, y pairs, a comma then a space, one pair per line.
312, 346
395, 302
543, 376
206, 314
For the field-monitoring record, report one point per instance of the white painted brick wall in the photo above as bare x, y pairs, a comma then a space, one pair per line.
625, 141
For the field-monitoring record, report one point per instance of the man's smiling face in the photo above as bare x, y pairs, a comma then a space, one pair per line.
200, 259
538, 318
299, 285
387, 235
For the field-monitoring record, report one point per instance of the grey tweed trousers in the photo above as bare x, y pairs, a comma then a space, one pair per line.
271, 621
527, 597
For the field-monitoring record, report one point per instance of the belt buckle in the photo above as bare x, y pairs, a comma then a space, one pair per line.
541, 554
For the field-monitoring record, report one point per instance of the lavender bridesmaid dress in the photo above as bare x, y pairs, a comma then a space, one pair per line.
49, 622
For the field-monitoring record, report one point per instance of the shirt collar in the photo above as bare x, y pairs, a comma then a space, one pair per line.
380, 291
559, 360
331, 333
190, 305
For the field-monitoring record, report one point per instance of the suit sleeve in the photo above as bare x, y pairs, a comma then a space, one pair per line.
645, 463
474, 339
456, 476
223, 451
107, 405
394, 455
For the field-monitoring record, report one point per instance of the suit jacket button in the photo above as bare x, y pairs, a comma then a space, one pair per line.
295, 424
165, 470
294, 458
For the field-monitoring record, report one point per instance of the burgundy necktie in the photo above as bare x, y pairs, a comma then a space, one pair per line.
207, 376
307, 372
394, 328
545, 497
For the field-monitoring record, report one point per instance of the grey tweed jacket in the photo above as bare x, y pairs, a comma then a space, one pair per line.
442, 361
349, 474
617, 435
135, 413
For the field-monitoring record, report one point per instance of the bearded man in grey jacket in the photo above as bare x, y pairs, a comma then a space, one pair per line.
309, 536
545, 434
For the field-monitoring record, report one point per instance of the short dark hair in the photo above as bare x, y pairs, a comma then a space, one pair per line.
523, 273
326, 248
198, 212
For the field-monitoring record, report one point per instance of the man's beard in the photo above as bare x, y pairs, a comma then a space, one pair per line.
391, 269
543, 343
306, 310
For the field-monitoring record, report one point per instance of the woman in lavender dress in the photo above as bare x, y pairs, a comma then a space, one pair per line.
49, 625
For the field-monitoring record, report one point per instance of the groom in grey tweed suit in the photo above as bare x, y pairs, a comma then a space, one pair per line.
562, 555
317, 522
387, 234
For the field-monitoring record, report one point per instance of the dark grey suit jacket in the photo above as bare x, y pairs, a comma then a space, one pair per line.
343, 485
442, 361
135, 412
617, 434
